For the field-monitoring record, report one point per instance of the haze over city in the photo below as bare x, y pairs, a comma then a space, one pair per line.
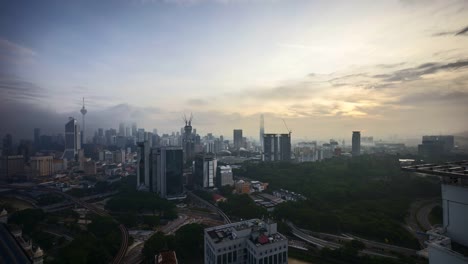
326, 67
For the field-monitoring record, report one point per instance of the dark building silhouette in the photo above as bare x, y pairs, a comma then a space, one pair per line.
37, 138
7, 146
188, 141
435, 146
238, 139
356, 143
276, 147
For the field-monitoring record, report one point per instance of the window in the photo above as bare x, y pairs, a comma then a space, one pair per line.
224, 258
234, 257
230, 257
218, 261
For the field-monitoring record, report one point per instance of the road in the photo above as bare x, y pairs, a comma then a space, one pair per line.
211, 206
123, 230
423, 215
382, 249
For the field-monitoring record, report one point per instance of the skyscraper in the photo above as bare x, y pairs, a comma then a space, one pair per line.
262, 131
167, 171
72, 139
122, 129
356, 143
188, 140
237, 139
276, 147
37, 138
7, 145
160, 170
143, 166
83, 113
134, 130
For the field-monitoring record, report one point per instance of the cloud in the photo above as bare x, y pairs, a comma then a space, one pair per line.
415, 73
462, 32
7, 46
13, 88
197, 102
459, 32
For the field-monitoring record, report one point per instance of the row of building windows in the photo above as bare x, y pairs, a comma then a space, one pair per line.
227, 258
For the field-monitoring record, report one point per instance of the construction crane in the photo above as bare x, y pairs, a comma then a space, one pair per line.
287, 128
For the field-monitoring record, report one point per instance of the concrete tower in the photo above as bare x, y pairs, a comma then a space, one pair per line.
83, 113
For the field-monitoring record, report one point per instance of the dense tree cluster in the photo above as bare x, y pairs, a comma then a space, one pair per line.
242, 207
96, 245
366, 195
187, 242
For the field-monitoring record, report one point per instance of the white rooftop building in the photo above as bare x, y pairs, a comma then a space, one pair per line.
251, 242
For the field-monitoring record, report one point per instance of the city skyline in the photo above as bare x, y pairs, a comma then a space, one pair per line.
385, 68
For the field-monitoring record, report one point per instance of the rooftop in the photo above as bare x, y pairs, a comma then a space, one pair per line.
254, 230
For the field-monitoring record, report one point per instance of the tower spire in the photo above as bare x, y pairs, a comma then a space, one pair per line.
83, 113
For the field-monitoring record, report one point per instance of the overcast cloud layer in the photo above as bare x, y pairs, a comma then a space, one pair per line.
326, 67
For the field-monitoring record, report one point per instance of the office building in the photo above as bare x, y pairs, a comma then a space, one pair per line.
277, 147
251, 241
42, 166
167, 171
122, 130
238, 139
72, 139
11, 168
225, 176
143, 166
435, 146
204, 170
37, 138
356, 143
7, 147
160, 170
449, 242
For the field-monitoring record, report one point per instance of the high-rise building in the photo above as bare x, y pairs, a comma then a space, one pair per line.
251, 241
204, 171
122, 129
262, 131
127, 132
143, 166
167, 171
160, 170
72, 139
188, 140
37, 138
11, 167
276, 147
134, 130
356, 143
238, 139
7, 149
434, 146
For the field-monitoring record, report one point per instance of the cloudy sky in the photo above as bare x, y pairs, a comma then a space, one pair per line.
326, 67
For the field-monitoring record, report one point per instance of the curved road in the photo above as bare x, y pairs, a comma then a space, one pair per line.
123, 230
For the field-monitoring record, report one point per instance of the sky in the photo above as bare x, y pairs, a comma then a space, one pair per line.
386, 68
